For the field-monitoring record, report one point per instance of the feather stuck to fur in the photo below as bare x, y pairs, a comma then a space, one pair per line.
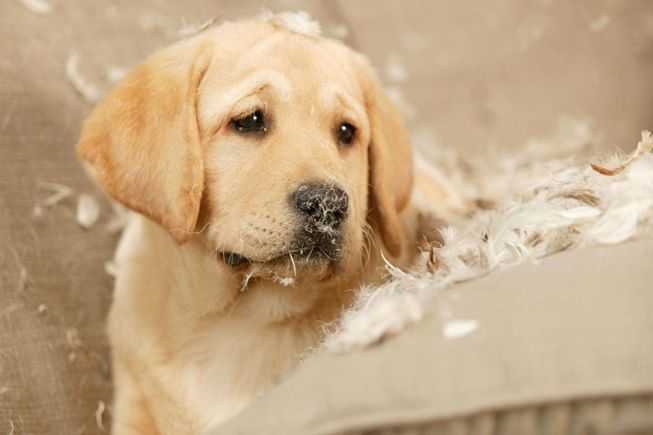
546, 207
297, 22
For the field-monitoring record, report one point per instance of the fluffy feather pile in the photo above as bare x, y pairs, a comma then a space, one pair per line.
540, 208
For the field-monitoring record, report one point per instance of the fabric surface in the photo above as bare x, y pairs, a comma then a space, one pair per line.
631, 415
577, 326
468, 78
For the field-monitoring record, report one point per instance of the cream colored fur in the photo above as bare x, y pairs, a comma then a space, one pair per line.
194, 339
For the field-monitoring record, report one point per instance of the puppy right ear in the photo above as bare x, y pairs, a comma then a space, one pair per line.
390, 160
142, 142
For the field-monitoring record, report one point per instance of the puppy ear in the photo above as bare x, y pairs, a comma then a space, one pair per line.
142, 142
390, 162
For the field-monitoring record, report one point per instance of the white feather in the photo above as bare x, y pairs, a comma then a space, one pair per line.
298, 22
459, 328
38, 6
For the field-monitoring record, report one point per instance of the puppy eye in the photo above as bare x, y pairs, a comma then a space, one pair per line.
346, 133
252, 123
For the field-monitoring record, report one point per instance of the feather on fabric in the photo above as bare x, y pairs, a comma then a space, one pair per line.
546, 207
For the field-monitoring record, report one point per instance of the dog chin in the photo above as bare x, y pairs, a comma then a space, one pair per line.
289, 272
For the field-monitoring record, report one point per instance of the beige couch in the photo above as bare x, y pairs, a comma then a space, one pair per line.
563, 347
495, 76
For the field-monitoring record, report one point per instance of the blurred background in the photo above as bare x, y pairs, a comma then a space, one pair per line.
474, 77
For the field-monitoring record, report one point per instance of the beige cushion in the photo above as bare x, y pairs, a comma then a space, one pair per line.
577, 326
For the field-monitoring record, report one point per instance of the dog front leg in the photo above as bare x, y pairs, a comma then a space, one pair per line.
131, 415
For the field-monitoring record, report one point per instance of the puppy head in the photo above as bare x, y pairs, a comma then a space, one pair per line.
274, 148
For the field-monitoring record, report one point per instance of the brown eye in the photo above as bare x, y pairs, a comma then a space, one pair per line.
252, 123
346, 133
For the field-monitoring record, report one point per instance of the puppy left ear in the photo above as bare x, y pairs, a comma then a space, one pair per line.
390, 161
142, 142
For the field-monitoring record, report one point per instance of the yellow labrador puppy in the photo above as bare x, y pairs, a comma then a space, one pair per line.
269, 174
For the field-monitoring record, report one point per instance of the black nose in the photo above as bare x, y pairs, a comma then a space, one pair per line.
323, 204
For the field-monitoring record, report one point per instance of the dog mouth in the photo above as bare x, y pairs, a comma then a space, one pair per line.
233, 259
287, 268
299, 256
313, 254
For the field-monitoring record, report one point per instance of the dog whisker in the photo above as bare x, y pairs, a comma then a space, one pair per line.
326, 254
201, 230
368, 243
292, 261
245, 282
